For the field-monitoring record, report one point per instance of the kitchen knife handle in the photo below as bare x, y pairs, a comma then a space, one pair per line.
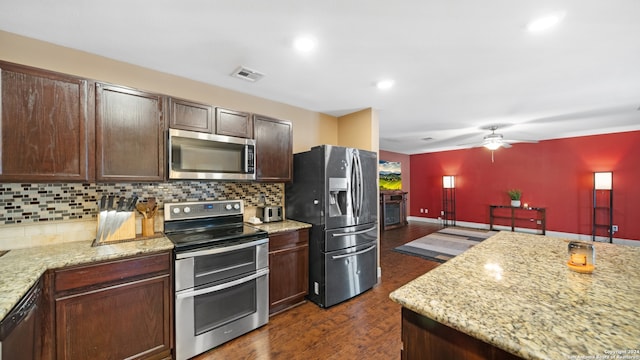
132, 203
122, 203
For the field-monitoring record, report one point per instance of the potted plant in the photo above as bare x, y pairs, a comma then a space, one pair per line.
515, 195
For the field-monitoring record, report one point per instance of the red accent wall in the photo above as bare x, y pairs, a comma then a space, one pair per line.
554, 174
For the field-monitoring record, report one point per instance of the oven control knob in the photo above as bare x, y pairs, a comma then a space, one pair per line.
236, 206
187, 210
228, 207
176, 210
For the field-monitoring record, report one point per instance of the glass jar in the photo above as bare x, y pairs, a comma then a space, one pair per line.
582, 257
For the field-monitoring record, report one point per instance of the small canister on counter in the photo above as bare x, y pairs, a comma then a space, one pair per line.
582, 257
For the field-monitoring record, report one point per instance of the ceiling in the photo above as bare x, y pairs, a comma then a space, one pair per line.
458, 66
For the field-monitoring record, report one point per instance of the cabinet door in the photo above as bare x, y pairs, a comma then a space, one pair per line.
46, 128
129, 134
274, 149
289, 269
119, 322
233, 123
187, 115
115, 309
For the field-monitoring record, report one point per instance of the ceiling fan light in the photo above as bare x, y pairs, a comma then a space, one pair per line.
492, 145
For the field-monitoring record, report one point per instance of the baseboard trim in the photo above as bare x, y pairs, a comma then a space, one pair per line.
558, 234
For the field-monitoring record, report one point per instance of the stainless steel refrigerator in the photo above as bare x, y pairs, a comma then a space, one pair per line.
335, 189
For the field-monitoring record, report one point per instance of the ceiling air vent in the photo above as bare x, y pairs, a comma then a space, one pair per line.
247, 74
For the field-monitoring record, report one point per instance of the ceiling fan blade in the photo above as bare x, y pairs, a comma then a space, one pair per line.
506, 145
515, 141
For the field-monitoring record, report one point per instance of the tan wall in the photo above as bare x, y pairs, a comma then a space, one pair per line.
359, 130
309, 128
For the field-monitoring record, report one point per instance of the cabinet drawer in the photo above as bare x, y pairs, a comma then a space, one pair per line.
110, 272
288, 239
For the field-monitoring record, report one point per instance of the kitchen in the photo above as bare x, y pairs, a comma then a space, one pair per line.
73, 218
71, 208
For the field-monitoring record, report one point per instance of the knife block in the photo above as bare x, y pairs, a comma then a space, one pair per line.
127, 231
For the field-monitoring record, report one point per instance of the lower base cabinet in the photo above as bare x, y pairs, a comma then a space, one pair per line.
119, 309
288, 269
424, 339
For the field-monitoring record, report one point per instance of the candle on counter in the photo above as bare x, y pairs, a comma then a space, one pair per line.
581, 257
526, 206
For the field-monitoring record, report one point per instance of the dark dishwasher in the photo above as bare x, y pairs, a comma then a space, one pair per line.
20, 329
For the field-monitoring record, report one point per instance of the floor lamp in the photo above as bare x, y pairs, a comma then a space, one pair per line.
603, 203
449, 200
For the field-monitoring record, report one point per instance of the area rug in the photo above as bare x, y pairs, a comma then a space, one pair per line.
445, 244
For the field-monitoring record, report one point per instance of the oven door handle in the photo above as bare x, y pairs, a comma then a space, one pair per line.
227, 285
353, 233
335, 257
221, 250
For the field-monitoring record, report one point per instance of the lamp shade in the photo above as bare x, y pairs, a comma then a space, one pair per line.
603, 180
449, 182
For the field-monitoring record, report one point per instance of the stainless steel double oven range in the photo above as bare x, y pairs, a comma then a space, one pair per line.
221, 274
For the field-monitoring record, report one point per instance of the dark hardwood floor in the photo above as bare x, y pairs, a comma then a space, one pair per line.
365, 327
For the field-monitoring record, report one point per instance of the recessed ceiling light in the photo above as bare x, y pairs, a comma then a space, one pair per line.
305, 44
384, 84
545, 22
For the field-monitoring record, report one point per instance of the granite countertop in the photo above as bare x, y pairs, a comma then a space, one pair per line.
515, 291
21, 268
281, 226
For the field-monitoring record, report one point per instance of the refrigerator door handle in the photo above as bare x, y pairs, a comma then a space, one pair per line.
335, 257
356, 185
353, 233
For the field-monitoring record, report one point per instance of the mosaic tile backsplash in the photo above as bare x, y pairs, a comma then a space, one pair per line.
34, 203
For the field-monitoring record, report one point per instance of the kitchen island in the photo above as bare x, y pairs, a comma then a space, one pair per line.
514, 294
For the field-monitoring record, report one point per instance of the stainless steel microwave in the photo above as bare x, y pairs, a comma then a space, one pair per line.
195, 155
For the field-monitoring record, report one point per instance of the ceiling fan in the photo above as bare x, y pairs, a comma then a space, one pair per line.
494, 141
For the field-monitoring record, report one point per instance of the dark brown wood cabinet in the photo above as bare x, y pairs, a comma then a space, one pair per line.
233, 123
188, 115
114, 310
288, 269
130, 128
274, 149
46, 126
424, 338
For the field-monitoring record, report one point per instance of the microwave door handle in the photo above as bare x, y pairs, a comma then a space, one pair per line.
246, 159
212, 289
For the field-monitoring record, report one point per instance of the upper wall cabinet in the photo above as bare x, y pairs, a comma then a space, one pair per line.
129, 134
187, 115
233, 123
46, 127
274, 149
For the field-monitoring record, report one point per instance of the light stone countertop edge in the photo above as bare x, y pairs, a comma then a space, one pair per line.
20, 269
281, 226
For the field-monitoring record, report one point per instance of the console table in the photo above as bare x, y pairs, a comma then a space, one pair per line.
518, 217
393, 209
